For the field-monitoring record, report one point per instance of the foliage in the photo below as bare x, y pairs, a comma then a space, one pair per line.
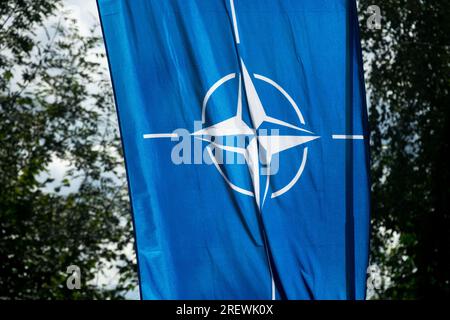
51, 113
408, 64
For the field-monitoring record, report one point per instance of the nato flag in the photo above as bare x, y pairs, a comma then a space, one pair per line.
245, 136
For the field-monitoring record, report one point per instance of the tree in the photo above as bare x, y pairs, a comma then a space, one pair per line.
408, 75
50, 112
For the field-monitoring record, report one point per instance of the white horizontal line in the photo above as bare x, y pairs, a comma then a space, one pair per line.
347, 137
160, 135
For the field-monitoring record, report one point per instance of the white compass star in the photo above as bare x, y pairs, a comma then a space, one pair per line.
236, 126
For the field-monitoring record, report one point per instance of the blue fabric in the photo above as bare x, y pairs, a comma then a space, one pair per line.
197, 237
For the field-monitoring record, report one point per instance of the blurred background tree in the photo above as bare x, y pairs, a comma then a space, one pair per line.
51, 113
408, 79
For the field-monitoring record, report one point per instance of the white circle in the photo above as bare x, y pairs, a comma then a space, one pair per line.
294, 105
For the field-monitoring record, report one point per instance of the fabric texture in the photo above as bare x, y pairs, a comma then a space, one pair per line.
290, 219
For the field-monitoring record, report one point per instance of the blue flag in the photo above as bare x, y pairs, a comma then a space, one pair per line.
245, 136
